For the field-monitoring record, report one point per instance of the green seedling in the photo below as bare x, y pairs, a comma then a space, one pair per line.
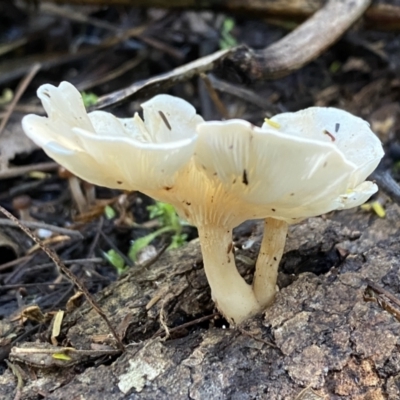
109, 212
227, 39
335, 66
376, 207
89, 99
6, 96
116, 260
169, 222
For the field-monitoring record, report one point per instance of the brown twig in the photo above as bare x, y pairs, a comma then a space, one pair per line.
18, 171
18, 93
57, 261
380, 290
251, 335
238, 91
164, 81
117, 72
214, 96
42, 225
303, 44
383, 297
17, 261
161, 332
14, 69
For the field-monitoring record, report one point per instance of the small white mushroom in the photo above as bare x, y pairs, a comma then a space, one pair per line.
22, 205
113, 152
218, 174
74, 184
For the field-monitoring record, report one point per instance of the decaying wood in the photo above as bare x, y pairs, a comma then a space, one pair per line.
382, 14
295, 50
328, 342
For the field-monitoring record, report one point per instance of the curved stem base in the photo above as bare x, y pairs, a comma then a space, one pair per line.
271, 250
231, 294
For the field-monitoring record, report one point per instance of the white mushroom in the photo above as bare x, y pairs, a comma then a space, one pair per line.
121, 153
296, 166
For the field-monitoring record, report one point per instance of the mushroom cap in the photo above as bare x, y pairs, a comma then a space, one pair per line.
303, 164
21, 202
299, 165
350, 134
123, 153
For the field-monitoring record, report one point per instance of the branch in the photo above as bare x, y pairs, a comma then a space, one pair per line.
303, 44
295, 50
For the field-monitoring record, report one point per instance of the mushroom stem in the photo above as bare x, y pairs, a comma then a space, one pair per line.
271, 250
231, 294
77, 194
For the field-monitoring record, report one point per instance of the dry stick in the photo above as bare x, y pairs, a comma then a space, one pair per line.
386, 183
380, 290
214, 96
295, 50
117, 72
13, 70
53, 256
238, 91
15, 262
19, 92
42, 225
163, 81
18, 171
161, 332
303, 44
77, 16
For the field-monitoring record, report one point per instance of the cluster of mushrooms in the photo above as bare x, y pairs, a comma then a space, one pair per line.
217, 174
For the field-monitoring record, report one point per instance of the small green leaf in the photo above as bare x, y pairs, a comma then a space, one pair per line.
378, 208
89, 99
61, 356
178, 240
335, 66
115, 259
227, 39
109, 212
141, 243
6, 96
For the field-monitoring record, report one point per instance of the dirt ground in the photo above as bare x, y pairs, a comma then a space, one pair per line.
333, 331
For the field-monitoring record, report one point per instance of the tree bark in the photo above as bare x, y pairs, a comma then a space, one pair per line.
325, 332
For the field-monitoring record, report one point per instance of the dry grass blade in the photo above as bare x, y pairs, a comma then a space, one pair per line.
18, 171
214, 96
53, 256
42, 225
19, 92
20, 381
